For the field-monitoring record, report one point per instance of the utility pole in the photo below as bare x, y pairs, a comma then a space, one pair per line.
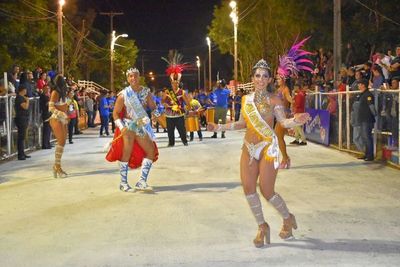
111, 15
60, 38
337, 38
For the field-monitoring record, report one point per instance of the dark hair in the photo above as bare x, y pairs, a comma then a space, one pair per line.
21, 87
364, 82
60, 86
222, 82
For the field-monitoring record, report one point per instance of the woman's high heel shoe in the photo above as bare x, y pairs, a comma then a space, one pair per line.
263, 235
287, 227
58, 172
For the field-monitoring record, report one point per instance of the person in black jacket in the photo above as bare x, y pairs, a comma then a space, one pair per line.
21, 120
366, 116
44, 108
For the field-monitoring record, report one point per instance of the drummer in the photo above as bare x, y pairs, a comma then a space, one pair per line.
204, 101
160, 107
195, 107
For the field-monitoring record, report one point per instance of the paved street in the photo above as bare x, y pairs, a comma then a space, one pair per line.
348, 211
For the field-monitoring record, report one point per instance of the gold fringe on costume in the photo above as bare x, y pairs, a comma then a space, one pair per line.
255, 122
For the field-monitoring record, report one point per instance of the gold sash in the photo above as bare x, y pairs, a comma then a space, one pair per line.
255, 122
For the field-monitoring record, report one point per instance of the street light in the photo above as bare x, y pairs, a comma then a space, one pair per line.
198, 71
209, 62
60, 39
113, 40
234, 17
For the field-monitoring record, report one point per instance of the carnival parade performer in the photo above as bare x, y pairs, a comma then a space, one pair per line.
259, 158
289, 66
58, 121
134, 140
175, 98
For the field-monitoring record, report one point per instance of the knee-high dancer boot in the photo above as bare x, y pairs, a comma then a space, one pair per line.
142, 183
289, 221
123, 171
263, 233
57, 170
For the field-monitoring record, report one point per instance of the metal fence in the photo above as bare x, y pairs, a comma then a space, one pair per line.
8, 130
339, 104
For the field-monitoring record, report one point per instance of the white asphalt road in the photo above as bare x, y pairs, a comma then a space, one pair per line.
348, 211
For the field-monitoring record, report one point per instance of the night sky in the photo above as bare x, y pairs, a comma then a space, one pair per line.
160, 25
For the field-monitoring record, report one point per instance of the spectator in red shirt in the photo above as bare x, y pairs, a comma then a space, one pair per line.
299, 101
41, 82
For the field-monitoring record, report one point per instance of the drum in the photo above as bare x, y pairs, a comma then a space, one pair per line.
162, 120
210, 113
82, 120
192, 123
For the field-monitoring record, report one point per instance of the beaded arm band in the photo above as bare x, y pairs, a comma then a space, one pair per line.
223, 127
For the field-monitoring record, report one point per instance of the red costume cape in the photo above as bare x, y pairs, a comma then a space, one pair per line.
137, 154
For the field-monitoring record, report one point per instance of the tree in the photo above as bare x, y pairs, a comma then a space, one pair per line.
266, 29
29, 38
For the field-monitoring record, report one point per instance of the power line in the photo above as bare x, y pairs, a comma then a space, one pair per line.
14, 15
36, 8
249, 11
377, 12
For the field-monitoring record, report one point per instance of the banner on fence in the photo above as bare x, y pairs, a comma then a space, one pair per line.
317, 129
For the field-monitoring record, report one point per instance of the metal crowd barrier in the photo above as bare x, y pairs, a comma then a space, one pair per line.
387, 125
9, 130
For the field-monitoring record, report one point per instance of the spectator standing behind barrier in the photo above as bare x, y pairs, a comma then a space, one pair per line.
354, 86
41, 82
44, 109
238, 103
72, 114
221, 105
111, 102
104, 114
395, 69
366, 117
89, 106
299, 102
21, 120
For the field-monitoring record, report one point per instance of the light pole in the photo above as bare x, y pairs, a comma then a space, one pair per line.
60, 38
209, 62
234, 17
198, 71
113, 40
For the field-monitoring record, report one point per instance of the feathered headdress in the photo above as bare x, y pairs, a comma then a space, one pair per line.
175, 67
295, 60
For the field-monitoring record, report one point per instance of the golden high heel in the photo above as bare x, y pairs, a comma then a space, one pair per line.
263, 235
58, 172
288, 225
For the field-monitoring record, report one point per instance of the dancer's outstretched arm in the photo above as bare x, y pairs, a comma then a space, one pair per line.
279, 113
232, 126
